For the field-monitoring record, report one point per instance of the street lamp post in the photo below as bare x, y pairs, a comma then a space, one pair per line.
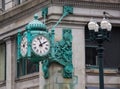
100, 34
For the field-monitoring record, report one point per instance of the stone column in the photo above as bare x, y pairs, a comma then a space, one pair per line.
10, 64
41, 78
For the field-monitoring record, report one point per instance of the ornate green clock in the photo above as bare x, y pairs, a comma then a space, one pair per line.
37, 44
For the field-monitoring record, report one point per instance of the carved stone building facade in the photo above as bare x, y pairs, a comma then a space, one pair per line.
16, 14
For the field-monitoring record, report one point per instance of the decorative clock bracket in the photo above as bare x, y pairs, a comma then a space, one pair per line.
61, 50
63, 55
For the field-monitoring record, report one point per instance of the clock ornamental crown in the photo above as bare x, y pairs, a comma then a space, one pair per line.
36, 24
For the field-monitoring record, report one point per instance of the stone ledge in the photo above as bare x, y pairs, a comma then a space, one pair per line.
106, 1
106, 72
2, 83
27, 77
111, 80
29, 4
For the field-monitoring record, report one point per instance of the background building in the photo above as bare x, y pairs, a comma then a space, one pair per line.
16, 14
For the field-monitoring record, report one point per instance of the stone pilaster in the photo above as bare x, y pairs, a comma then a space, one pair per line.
8, 4
79, 56
10, 64
41, 78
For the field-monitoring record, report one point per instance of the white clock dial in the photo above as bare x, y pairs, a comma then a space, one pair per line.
40, 45
24, 46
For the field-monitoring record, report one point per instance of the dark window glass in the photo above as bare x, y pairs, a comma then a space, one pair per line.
3, 4
2, 62
90, 53
112, 49
20, 1
26, 67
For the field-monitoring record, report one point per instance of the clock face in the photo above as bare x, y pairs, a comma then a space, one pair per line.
23, 48
40, 45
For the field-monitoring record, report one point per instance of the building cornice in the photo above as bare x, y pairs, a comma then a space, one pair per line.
97, 4
25, 7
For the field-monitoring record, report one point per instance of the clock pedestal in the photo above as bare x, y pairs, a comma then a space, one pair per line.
55, 80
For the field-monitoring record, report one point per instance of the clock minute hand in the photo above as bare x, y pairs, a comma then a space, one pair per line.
39, 40
44, 42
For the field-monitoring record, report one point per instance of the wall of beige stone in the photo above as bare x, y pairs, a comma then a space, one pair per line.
76, 22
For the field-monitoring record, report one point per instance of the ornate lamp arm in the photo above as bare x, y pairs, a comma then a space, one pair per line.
66, 11
44, 13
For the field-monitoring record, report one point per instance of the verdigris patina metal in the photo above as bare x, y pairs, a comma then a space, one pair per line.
31, 44
63, 55
61, 50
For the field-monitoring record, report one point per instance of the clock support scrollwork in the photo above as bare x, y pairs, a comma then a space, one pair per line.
61, 51
63, 55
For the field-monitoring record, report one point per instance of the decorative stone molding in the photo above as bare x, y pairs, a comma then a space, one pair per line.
25, 8
90, 3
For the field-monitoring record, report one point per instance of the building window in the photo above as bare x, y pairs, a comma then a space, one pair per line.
111, 50
26, 67
19, 1
91, 55
90, 50
2, 5
2, 62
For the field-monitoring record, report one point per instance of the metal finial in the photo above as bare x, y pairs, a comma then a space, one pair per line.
19, 30
36, 16
106, 14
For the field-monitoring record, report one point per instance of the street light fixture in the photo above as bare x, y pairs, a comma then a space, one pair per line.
100, 34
